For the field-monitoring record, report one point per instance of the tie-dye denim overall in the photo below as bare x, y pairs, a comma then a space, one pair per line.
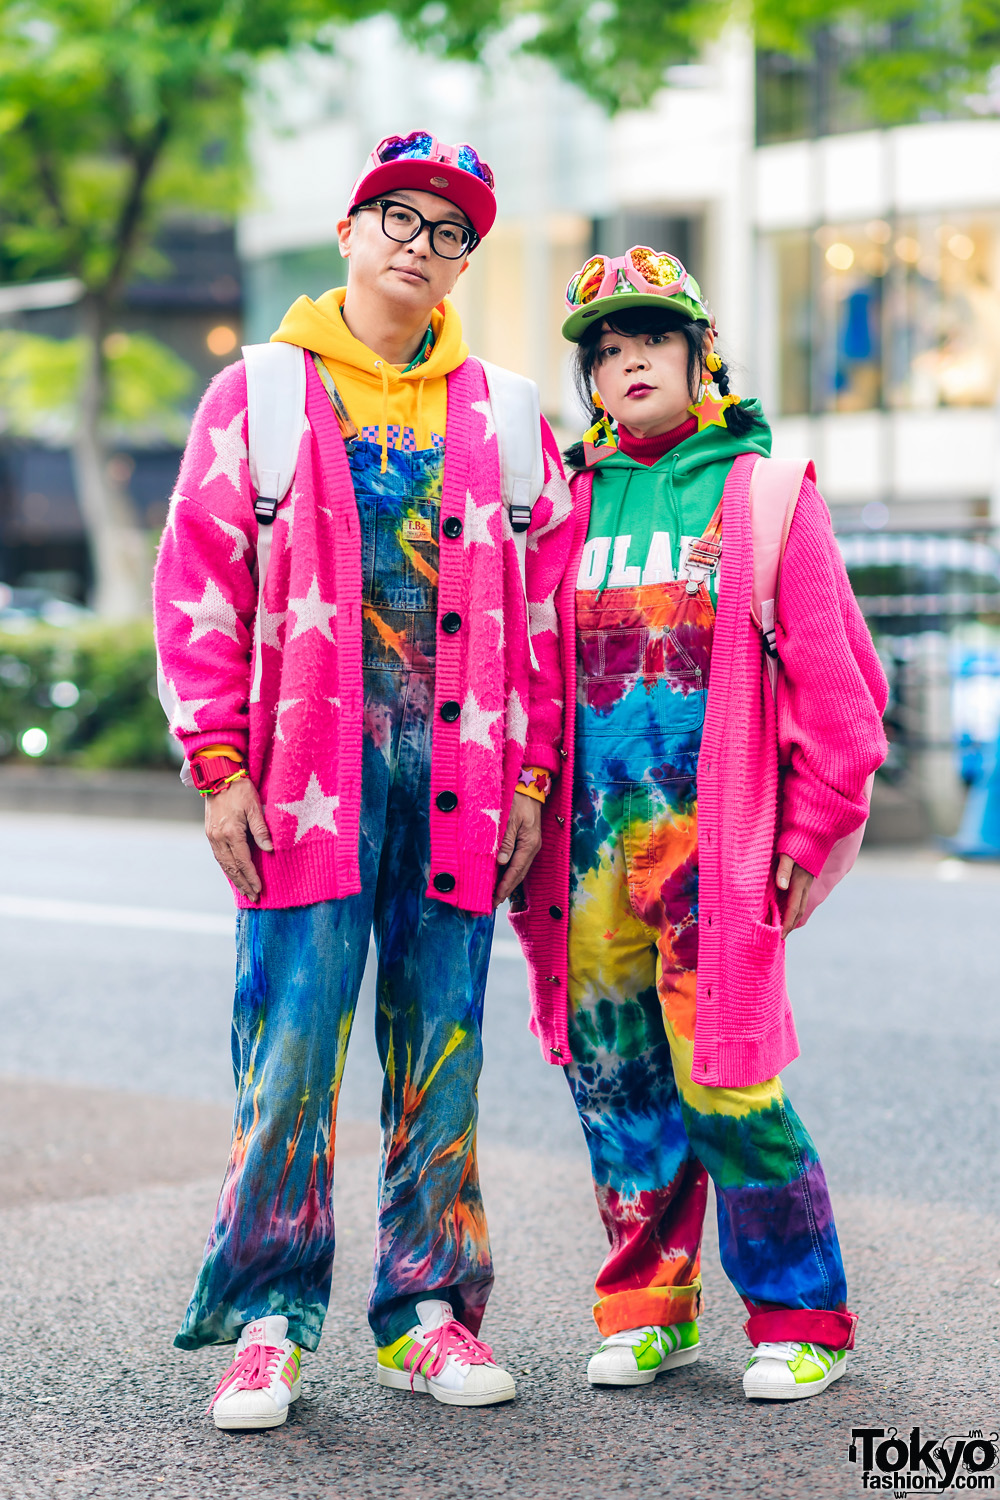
654, 1136
298, 975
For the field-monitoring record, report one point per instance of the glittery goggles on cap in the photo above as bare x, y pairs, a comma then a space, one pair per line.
641, 277
419, 161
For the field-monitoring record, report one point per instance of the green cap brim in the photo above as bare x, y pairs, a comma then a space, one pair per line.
578, 322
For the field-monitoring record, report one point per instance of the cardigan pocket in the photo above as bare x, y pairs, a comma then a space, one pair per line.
765, 938
763, 987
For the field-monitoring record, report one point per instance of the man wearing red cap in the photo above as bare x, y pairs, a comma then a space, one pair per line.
360, 688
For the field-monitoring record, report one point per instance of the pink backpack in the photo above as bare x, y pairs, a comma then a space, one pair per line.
774, 492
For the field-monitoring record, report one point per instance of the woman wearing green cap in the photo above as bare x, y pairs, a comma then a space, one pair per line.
675, 859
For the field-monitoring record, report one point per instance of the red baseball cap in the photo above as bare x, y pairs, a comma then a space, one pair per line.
422, 162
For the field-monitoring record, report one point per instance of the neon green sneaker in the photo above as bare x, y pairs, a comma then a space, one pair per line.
439, 1357
791, 1371
637, 1355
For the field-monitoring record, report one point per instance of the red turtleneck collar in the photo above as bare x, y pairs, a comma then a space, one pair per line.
647, 450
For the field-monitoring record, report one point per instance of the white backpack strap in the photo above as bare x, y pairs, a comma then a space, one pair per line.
774, 491
517, 417
276, 413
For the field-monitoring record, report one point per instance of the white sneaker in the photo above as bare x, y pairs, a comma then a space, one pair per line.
262, 1379
637, 1355
439, 1357
791, 1371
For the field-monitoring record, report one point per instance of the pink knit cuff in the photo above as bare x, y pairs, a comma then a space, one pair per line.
543, 754
238, 738
809, 850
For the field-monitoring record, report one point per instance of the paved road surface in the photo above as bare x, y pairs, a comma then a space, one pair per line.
115, 986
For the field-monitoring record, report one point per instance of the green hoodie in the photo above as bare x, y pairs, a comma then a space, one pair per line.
643, 515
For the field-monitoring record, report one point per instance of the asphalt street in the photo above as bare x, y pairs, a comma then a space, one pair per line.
115, 988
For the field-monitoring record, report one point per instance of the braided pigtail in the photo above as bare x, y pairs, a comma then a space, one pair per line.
737, 420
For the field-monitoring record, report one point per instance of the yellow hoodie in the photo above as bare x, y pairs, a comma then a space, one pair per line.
380, 396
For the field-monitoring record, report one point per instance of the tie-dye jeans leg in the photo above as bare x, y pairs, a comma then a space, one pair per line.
651, 1132
299, 971
431, 1238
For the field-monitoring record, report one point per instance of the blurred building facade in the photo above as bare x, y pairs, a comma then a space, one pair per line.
193, 305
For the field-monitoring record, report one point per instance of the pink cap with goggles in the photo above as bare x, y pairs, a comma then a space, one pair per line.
421, 162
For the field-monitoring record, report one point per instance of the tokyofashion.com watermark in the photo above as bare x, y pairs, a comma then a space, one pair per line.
912, 1464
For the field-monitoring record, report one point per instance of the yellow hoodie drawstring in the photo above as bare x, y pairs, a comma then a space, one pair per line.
383, 426
420, 407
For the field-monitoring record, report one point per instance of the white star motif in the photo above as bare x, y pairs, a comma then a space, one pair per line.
185, 714
171, 522
284, 704
542, 617
477, 522
477, 723
313, 810
493, 813
497, 614
557, 490
230, 451
333, 702
485, 410
269, 625
213, 611
517, 719
311, 613
286, 513
240, 540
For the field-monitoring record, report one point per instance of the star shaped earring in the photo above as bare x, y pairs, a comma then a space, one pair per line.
711, 410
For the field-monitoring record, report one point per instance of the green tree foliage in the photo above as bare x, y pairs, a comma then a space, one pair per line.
910, 59
40, 380
113, 717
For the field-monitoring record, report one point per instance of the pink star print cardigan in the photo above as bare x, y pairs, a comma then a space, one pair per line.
828, 737
302, 732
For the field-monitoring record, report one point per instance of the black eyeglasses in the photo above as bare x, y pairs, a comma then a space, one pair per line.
403, 224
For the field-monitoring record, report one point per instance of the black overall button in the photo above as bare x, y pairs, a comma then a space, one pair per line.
446, 801
452, 527
556, 913
450, 711
452, 622
444, 883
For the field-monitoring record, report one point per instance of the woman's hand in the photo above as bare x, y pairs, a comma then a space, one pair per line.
229, 816
521, 843
795, 882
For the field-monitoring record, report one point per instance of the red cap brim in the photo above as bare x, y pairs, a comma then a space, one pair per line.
459, 187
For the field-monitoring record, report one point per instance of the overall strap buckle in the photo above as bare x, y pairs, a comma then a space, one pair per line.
702, 560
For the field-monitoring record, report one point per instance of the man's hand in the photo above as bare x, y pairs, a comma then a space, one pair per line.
796, 882
229, 817
521, 843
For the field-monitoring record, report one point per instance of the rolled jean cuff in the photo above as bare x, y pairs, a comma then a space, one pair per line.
659, 1305
803, 1326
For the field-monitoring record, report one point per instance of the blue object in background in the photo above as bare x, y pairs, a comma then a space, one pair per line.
979, 835
857, 342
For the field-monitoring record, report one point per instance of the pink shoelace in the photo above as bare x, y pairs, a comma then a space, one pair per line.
250, 1371
451, 1338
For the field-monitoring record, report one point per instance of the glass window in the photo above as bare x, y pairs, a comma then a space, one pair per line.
847, 371
792, 293
944, 312
903, 314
